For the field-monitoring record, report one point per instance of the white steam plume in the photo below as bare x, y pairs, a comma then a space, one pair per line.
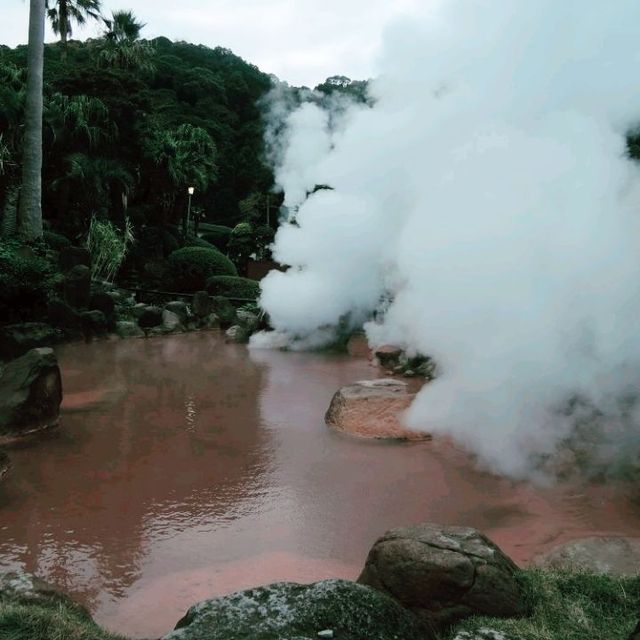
488, 191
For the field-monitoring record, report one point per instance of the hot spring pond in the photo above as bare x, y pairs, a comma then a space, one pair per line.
186, 468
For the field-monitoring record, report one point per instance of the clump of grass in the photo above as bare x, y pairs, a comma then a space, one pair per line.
57, 621
568, 606
108, 246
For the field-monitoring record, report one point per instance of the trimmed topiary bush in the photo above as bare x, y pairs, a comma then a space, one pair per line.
216, 234
189, 268
233, 287
194, 241
55, 241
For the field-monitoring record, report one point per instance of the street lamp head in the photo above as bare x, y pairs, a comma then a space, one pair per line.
191, 190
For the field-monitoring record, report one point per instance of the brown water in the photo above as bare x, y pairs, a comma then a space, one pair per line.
185, 468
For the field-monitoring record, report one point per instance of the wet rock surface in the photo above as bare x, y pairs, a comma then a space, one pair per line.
291, 611
30, 393
373, 409
616, 556
18, 339
444, 573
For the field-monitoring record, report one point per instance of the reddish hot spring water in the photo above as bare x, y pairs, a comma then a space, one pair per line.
185, 468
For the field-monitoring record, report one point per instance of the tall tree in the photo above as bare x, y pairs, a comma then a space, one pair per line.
123, 48
63, 13
30, 211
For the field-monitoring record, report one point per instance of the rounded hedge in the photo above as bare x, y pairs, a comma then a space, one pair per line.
194, 241
216, 234
233, 287
189, 268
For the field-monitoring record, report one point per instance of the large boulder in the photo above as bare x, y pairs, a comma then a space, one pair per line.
63, 316
30, 393
444, 573
17, 339
225, 311
372, 409
94, 323
616, 556
248, 320
103, 301
128, 329
171, 322
180, 309
202, 305
150, 317
332, 609
237, 333
388, 356
70, 257
77, 287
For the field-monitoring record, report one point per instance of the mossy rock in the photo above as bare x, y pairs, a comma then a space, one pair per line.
55, 241
288, 610
233, 287
190, 268
224, 310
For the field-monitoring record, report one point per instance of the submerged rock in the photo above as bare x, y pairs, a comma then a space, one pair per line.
30, 393
287, 610
372, 409
615, 556
444, 574
18, 339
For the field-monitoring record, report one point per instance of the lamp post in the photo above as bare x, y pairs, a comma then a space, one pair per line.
190, 191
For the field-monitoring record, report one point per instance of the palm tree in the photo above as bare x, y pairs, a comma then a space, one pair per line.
63, 13
30, 211
123, 48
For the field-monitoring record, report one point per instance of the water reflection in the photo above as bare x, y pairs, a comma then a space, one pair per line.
186, 468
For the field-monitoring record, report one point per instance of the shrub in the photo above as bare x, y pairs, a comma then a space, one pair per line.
55, 241
233, 287
189, 268
108, 246
25, 282
194, 241
215, 234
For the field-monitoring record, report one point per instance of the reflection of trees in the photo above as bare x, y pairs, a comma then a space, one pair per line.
173, 441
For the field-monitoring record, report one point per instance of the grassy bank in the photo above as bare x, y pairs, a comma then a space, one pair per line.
564, 606
570, 606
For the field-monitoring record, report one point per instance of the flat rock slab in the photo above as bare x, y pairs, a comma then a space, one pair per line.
288, 611
614, 556
30, 393
373, 409
444, 574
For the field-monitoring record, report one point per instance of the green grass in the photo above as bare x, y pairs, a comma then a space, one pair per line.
57, 621
569, 606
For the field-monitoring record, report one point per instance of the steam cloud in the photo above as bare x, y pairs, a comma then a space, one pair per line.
488, 195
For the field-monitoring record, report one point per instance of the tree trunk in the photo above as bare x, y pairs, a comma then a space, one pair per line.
30, 212
63, 19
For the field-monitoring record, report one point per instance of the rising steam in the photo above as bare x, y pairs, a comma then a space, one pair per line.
488, 193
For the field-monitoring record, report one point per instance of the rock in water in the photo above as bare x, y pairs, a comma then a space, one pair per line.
444, 574
615, 556
18, 339
372, 409
288, 610
30, 393
388, 356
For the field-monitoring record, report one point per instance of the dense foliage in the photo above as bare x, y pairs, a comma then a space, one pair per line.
190, 267
233, 287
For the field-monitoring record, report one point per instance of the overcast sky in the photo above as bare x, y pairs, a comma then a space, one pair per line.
301, 41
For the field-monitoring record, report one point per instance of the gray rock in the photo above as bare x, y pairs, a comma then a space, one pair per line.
128, 329
180, 309
615, 556
94, 323
70, 257
150, 317
388, 356
25, 588
170, 321
211, 321
250, 321
138, 309
287, 610
444, 574
237, 333
103, 301
202, 305
225, 311
77, 287
18, 339
5, 464
30, 393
